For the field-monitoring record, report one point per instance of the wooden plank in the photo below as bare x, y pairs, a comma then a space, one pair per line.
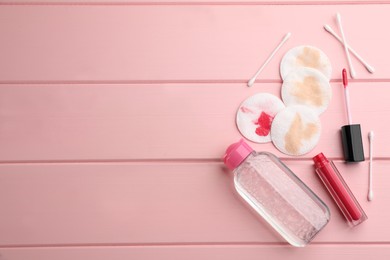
192, 2
192, 43
184, 2
172, 121
162, 203
231, 252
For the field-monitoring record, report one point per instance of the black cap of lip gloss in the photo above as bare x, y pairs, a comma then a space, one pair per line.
352, 143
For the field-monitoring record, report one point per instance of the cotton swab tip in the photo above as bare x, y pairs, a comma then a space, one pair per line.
371, 135
328, 28
288, 35
251, 82
338, 17
370, 195
370, 68
353, 73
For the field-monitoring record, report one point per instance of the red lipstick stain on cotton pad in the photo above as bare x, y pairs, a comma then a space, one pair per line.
264, 123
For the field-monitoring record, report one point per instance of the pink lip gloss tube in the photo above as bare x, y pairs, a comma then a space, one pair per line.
339, 190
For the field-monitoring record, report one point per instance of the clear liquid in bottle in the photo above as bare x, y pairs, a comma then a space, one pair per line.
277, 194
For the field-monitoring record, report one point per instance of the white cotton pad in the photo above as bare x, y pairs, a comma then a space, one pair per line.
255, 116
296, 130
308, 87
305, 56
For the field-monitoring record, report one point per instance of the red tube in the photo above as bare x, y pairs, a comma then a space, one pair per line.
345, 78
339, 190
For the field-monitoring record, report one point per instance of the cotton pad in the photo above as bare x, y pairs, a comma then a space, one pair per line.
309, 87
305, 56
296, 130
255, 116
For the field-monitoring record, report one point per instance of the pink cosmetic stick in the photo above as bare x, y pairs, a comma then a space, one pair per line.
339, 190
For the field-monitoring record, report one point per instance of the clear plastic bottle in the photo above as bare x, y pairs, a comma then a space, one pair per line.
276, 194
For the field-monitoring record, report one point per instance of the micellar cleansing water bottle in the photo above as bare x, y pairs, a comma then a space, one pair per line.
277, 194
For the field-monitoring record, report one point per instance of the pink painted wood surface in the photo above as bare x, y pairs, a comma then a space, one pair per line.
159, 203
171, 121
178, 43
205, 252
113, 118
188, 2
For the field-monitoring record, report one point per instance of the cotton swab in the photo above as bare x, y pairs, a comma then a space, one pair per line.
370, 190
346, 95
351, 69
253, 79
365, 64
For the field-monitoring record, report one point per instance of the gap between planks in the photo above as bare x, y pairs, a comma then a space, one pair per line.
146, 3
210, 244
161, 161
156, 82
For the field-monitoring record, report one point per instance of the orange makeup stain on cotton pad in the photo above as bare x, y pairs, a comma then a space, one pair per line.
305, 56
308, 91
308, 87
310, 58
297, 133
296, 130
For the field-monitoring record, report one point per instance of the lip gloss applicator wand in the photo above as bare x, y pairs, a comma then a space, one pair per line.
351, 134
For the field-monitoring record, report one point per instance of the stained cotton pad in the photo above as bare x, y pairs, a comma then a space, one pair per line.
309, 87
305, 56
296, 130
255, 116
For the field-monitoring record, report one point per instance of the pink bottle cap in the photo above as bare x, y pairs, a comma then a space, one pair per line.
236, 153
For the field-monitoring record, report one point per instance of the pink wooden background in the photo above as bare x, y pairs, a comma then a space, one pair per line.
114, 117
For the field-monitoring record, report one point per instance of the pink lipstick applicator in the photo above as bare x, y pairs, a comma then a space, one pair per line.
351, 134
